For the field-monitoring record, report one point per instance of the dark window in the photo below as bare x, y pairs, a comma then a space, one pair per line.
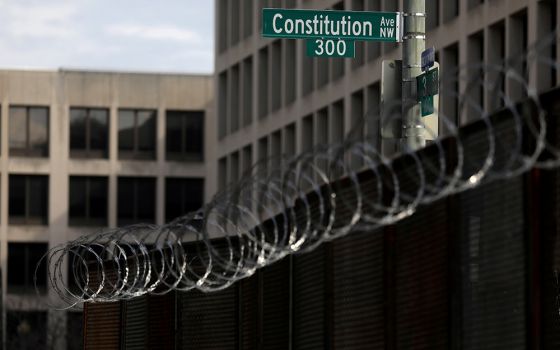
26, 330
87, 201
88, 132
74, 330
137, 134
29, 131
28, 199
22, 262
185, 135
182, 196
136, 200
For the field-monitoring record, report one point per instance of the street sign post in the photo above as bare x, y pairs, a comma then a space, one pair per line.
331, 33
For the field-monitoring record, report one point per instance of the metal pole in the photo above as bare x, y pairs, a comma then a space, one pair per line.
414, 42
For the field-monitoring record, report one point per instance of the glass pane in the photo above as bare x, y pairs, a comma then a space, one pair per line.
146, 130
195, 133
126, 130
173, 205
98, 121
16, 264
174, 133
98, 198
36, 252
125, 200
39, 130
74, 330
17, 196
182, 196
146, 200
38, 197
193, 194
18, 128
78, 128
77, 200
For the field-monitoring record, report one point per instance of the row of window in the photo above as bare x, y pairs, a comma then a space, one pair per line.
88, 199
235, 19
89, 133
326, 125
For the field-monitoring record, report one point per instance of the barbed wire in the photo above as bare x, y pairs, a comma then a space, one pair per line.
288, 205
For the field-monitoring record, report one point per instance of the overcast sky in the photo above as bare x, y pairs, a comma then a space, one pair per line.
132, 35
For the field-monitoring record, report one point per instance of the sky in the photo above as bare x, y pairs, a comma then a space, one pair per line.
129, 35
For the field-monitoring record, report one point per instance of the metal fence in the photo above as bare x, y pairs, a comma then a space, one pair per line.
474, 270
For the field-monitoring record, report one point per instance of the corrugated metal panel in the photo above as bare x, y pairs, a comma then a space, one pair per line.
493, 247
136, 323
551, 248
359, 321
309, 300
249, 312
161, 310
550, 307
209, 320
421, 278
547, 260
494, 265
276, 305
102, 328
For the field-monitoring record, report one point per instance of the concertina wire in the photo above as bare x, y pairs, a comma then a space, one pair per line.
290, 205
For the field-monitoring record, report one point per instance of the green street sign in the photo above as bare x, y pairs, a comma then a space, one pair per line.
327, 24
427, 105
330, 48
427, 84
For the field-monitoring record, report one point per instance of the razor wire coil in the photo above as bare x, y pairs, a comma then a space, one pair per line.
288, 205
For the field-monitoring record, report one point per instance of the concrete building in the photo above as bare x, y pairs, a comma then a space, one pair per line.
271, 99
83, 150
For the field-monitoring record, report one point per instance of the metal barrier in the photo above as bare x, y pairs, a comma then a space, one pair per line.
472, 270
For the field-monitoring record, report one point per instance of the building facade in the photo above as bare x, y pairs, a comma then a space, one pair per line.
85, 150
271, 99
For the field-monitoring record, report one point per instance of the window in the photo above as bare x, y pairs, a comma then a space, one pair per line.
222, 105
185, 135
22, 261
28, 199
432, 14
74, 330
88, 132
222, 173
182, 196
136, 200
29, 131
87, 201
137, 134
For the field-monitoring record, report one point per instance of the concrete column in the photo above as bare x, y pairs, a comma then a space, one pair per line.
160, 159
113, 165
4, 114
